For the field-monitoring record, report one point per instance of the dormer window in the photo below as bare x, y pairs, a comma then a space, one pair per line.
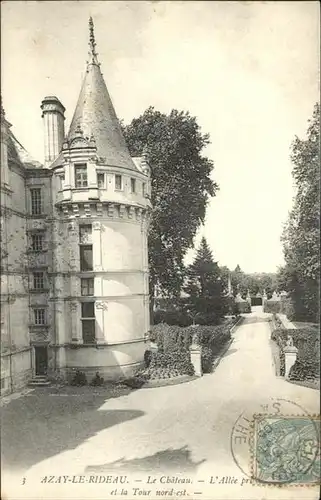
81, 179
118, 181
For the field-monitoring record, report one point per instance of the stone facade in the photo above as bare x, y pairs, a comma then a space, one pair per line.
74, 291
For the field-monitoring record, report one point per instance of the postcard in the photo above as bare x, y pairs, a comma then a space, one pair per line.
160, 334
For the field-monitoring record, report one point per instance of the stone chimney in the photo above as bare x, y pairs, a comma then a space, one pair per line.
54, 127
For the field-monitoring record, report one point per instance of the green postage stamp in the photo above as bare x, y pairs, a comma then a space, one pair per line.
286, 450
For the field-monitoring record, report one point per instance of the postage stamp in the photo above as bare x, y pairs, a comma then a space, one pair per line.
286, 450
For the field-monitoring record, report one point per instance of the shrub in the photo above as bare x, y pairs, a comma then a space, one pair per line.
166, 365
207, 359
305, 370
174, 342
176, 359
276, 323
135, 382
97, 380
79, 378
272, 306
168, 337
307, 341
172, 317
207, 319
287, 308
147, 357
242, 307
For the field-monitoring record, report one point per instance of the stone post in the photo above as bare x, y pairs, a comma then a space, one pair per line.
196, 356
290, 355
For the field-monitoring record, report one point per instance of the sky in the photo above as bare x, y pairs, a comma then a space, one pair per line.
248, 71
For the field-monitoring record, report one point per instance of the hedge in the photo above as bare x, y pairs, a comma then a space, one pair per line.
307, 341
306, 370
272, 306
287, 308
182, 318
283, 306
172, 317
242, 307
173, 343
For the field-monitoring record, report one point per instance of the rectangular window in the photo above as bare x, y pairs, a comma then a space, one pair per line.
86, 258
81, 179
88, 310
133, 185
36, 203
85, 233
118, 181
101, 181
38, 281
88, 322
61, 181
39, 315
144, 188
37, 242
87, 286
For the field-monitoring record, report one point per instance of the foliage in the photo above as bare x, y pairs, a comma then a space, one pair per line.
79, 378
253, 282
173, 343
287, 308
277, 322
147, 357
135, 382
211, 340
172, 362
97, 380
205, 287
177, 359
180, 317
306, 370
242, 307
272, 306
207, 359
181, 187
307, 341
300, 275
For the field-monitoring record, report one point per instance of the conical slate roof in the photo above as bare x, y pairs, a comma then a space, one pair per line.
95, 115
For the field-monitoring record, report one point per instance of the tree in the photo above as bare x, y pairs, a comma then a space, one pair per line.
237, 281
204, 284
301, 234
181, 187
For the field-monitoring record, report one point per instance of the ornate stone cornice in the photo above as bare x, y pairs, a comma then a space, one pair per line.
115, 211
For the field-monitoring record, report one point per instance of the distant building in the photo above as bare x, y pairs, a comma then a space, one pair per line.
74, 290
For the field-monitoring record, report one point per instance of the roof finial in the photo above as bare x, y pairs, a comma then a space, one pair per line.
92, 44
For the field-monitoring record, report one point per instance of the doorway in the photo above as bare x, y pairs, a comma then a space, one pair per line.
41, 360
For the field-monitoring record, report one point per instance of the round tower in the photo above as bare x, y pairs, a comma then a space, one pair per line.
102, 212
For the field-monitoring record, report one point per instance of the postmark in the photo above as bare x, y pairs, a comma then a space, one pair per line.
242, 433
286, 449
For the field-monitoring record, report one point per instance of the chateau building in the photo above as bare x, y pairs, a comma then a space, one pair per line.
74, 263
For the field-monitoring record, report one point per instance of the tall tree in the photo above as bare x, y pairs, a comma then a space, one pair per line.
238, 278
204, 284
301, 234
181, 187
